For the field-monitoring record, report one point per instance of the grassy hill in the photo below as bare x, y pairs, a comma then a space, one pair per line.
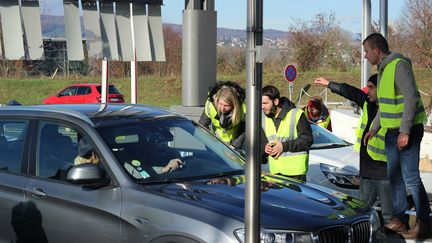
166, 91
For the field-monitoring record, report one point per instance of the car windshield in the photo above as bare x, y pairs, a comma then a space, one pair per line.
144, 148
111, 89
325, 139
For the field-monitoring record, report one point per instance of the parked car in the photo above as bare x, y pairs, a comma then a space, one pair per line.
84, 93
334, 164
126, 197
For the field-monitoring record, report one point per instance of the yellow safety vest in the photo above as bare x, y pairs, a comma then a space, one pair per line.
288, 163
376, 145
391, 104
225, 134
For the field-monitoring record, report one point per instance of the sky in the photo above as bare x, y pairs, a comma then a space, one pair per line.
278, 14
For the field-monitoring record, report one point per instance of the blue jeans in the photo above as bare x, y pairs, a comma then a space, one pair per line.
370, 189
403, 173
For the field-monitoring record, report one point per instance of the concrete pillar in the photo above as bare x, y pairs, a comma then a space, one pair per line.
199, 51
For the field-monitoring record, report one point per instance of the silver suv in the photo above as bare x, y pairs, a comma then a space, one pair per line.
123, 173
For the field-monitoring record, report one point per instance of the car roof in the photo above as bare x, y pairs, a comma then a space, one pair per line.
97, 113
88, 84
85, 84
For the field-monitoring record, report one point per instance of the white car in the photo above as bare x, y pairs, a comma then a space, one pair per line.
334, 164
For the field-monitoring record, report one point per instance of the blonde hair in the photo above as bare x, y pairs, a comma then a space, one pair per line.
230, 96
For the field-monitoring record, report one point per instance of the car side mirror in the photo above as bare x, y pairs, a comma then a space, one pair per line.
88, 173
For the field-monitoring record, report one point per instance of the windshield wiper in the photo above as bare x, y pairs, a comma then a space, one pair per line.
328, 145
183, 179
158, 181
220, 174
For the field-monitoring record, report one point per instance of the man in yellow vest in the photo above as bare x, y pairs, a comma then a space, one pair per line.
402, 113
287, 135
373, 160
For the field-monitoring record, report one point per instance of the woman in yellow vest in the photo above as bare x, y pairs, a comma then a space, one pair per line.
373, 167
224, 113
317, 113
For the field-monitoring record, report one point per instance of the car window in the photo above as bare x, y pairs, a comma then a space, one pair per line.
83, 90
144, 147
56, 150
111, 89
12, 134
70, 91
324, 138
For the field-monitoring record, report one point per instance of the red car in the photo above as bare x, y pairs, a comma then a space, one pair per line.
84, 93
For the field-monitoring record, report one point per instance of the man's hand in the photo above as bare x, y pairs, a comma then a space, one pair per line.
277, 149
368, 136
321, 82
269, 148
402, 140
174, 164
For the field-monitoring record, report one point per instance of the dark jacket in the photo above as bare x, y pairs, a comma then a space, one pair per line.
304, 139
369, 168
206, 121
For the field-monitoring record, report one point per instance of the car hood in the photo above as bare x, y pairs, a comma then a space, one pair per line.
285, 203
342, 157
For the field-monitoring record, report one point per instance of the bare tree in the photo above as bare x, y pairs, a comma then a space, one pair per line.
173, 52
318, 43
230, 60
414, 31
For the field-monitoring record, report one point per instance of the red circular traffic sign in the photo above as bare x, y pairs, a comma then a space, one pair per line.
290, 73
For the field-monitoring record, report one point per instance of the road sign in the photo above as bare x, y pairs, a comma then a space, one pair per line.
290, 73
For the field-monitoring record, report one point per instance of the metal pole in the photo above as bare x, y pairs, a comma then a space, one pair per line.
104, 88
253, 117
365, 32
134, 83
384, 18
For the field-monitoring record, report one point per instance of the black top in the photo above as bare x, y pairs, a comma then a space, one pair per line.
368, 167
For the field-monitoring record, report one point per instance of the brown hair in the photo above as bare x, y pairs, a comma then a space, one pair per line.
376, 40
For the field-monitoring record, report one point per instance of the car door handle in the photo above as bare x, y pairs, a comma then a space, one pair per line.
36, 192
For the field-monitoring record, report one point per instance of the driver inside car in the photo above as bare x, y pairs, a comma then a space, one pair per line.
86, 153
160, 156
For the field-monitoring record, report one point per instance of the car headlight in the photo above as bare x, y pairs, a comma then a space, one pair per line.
278, 236
378, 234
341, 177
374, 220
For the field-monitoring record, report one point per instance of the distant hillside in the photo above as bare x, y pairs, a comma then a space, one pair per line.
53, 26
223, 33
